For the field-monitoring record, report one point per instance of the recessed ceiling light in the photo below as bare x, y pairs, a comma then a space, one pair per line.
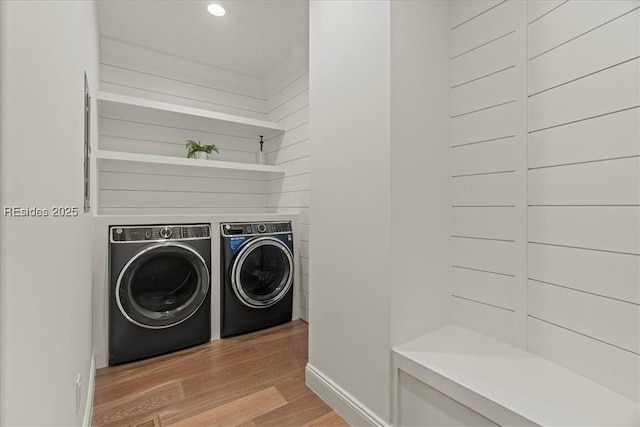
217, 9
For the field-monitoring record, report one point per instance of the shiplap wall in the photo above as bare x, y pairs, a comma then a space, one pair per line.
487, 139
584, 188
546, 216
128, 188
146, 73
287, 90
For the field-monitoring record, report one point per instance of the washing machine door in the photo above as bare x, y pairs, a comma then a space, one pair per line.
262, 272
162, 285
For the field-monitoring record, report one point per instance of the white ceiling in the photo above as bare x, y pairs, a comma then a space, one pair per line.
252, 38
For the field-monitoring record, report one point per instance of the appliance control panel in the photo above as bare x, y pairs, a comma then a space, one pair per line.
255, 228
123, 234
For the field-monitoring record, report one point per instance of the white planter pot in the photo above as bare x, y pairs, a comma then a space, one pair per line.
201, 155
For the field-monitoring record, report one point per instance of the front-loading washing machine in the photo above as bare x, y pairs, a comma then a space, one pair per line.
257, 272
159, 293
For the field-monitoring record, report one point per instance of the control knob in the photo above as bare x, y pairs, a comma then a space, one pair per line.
262, 228
165, 232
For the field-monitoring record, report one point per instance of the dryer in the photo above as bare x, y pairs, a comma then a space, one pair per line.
159, 293
257, 275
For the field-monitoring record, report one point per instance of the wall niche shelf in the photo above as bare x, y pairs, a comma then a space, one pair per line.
141, 164
180, 161
113, 105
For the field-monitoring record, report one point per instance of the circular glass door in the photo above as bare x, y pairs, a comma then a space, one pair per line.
262, 272
162, 285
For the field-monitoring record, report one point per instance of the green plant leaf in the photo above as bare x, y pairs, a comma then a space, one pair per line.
193, 147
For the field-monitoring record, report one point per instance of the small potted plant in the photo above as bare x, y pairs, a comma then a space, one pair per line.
199, 151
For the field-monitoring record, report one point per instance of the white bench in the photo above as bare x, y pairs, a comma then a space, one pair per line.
453, 376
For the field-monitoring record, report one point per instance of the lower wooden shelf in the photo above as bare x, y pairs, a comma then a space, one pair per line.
179, 161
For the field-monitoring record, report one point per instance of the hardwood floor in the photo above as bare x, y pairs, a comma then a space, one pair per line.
255, 379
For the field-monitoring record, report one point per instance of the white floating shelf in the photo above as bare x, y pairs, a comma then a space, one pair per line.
113, 105
179, 161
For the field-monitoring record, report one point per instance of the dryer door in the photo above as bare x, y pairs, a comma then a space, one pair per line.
162, 285
262, 272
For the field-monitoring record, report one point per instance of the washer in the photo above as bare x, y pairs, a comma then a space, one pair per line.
257, 271
159, 293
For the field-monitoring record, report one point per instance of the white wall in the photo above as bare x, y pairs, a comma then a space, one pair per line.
379, 77
287, 94
349, 69
420, 191
45, 262
546, 215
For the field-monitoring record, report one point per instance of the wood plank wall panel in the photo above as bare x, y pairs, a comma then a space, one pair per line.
289, 106
134, 188
582, 183
537, 9
484, 222
145, 73
583, 141
487, 91
599, 361
148, 182
491, 22
486, 125
160, 198
492, 58
165, 90
609, 274
550, 302
180, 210
496, 156
483, 318
604, 47
584, 189
460, 14
572, 20
592, 96
492, 189
484, 137
482, 286
492, 256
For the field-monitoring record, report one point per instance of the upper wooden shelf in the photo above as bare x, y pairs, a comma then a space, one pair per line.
180, 161
113, 105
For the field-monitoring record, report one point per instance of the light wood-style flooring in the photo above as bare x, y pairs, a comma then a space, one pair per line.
255, 379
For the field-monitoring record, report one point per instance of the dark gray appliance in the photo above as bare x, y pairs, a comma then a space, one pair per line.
257, 271
159, 293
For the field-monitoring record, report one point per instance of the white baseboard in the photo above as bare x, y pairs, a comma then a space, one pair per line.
354, 412
88, 409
